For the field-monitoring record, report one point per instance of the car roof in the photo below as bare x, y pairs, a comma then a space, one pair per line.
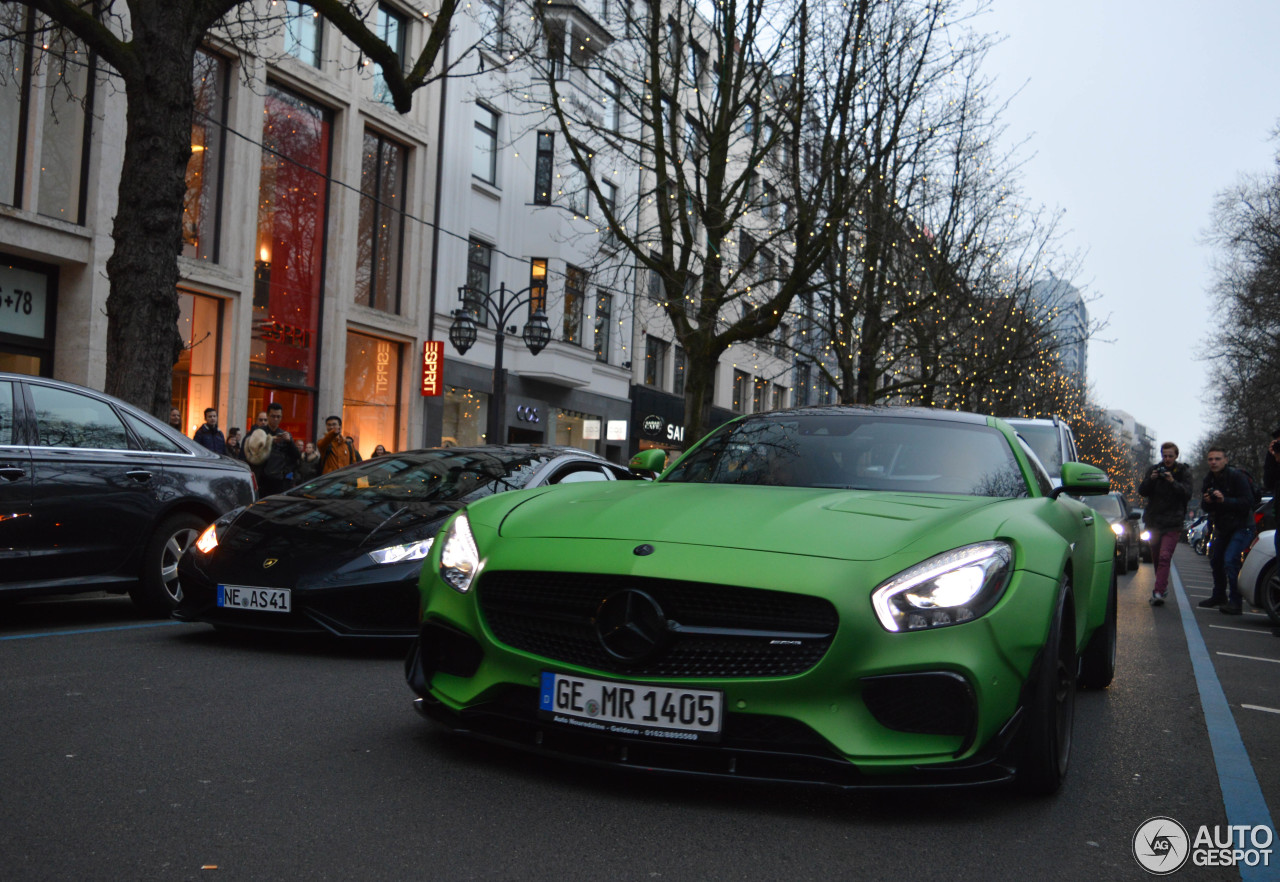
889, 410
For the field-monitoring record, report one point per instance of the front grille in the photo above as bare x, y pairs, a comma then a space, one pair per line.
720, 631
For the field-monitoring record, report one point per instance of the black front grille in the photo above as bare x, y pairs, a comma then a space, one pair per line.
719, 631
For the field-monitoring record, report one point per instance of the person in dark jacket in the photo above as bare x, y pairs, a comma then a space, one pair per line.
1167, 488
1228, 499
271, 453
209, 435
1271, 478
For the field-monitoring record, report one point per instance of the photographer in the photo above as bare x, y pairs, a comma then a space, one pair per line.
1228, 498
1167, 488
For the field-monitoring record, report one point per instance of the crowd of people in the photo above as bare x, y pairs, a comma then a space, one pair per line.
279, 461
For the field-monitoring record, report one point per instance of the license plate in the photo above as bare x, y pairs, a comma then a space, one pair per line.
661, 712
260, 599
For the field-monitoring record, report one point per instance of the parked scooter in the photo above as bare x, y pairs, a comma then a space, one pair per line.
1198, 535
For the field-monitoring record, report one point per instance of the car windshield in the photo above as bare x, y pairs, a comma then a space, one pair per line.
456, 475
857, 451
1044, 441
1107, 506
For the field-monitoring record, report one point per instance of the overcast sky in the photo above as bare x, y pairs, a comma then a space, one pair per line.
1139, 112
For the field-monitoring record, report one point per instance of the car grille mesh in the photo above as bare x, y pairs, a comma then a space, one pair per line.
758, 632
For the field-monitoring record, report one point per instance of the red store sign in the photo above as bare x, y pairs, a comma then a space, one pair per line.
432, 362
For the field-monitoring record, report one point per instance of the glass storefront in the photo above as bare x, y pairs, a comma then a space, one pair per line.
28, 298
570, 431
371, 392
195, 376
466, 414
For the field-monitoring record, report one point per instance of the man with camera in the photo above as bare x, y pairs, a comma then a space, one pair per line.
1227, 497
1167, 488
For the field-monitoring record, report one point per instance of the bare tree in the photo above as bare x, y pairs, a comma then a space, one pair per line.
150, 45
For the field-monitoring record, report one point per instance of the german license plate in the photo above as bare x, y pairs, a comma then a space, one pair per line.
260, 599
662, 712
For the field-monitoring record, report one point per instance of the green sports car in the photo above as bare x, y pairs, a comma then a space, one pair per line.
858, 597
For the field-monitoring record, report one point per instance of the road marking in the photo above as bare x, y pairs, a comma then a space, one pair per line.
1242, 630
1270, 710
1250, 657
90, 630
1241, 796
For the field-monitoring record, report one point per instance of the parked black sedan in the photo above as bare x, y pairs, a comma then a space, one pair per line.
96, 495
1125, 523
341, 554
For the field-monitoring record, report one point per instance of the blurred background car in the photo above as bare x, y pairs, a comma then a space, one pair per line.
340, 554
1124, 523
1051, 440
1143, 534
99, 496
1257, 577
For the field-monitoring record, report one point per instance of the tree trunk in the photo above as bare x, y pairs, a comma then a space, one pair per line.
143, 342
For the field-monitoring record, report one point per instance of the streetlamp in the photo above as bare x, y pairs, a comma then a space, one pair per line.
536, 335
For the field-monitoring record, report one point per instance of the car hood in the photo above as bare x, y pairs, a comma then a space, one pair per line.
842, 524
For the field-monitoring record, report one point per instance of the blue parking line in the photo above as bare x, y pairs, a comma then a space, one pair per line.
1241, 795
90, 630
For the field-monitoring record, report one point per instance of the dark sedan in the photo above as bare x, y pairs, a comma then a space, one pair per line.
341, 553
97, 495
1127, 526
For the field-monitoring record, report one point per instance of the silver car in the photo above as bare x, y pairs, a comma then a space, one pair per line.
1256, 583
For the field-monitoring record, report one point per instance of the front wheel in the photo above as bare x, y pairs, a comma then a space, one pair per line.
1271, 594
1051, 709
1122, 561
1098, 662
158, 591
1200, 546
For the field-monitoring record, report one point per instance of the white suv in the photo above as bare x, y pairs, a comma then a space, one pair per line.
1052, 441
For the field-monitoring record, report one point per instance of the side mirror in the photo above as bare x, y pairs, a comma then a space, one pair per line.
1134, 514
1080, 479
653, 461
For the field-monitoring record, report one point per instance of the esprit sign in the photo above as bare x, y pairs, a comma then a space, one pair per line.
432, 361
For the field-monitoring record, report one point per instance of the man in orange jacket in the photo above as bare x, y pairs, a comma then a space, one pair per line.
335, 450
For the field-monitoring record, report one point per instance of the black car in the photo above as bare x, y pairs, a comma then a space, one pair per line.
341, 553
1126, 523
96, 495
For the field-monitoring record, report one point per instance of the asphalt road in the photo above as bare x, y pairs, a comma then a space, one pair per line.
139, 750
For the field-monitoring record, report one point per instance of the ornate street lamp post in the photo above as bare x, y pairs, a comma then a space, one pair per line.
498, 307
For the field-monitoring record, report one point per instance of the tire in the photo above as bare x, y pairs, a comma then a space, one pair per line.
1050, 709
1135, 555
1200, 546
1098, 661
1270, 595
158, 591
1122, 563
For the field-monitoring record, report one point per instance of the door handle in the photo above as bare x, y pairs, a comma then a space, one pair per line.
12, 473
142, 476
1088, 519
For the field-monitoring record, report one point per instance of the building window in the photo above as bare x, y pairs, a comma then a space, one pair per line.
537, 284
490, 17
609, 191
485, 158
382, 178
740, 381
466, 414
779, 397
202, 205
195, 376
613, 104
604, 320
303, 32
575, 183
655, 361
802, 385
678, 374
654, 287
289, 273
544, 168
390, 27
479, 275
760, 400
768, 201
575, 293
371, 392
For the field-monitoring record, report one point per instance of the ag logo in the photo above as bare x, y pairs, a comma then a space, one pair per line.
1161, 846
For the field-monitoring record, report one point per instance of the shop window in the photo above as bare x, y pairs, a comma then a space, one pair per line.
466, 414
381, 239
303, 32
571, 429
201, 205
371, 392
195, 376
292, 220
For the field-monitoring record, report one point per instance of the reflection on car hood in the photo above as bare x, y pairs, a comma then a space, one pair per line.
332, 525
844, 524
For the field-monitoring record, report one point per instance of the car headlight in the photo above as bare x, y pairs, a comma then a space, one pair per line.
1145, 536
1118, 529
459, 557
415, 550
950, 589
207, 541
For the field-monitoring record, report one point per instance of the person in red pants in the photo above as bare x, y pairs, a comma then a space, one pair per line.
1167, 488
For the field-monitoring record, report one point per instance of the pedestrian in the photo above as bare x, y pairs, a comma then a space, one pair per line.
233, 443
175, 419
1167, 488
335, 450
209, 435
378, 451
1226, 495
271, 453
309, 465
1271, 478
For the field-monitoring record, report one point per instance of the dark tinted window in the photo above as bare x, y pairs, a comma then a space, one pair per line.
6, 412
857, 451
152, 438
435, 477
69, 419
